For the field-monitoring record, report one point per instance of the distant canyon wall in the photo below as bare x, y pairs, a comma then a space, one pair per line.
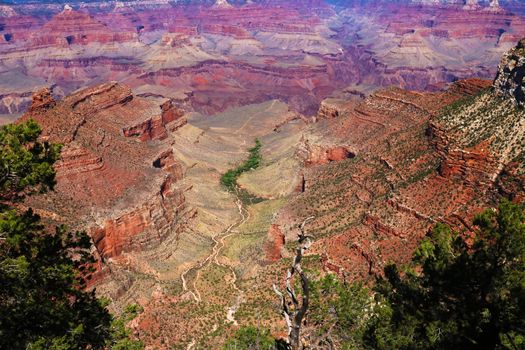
217, 56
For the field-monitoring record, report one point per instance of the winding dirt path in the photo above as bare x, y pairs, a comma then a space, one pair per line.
213, 258
185, 286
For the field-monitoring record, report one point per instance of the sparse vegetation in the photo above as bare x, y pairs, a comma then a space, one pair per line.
253, 338
486, 117
120, 339
457, 106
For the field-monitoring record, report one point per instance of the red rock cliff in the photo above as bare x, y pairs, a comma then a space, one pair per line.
122, 189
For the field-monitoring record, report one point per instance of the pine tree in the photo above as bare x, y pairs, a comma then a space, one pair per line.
459, 294
43, 304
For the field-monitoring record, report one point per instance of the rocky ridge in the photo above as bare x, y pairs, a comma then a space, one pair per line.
509, 79
494, 120
420, 159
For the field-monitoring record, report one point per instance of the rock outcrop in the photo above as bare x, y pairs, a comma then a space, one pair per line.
479, 136
316, 154
157, 127
42, 100
476, 165
333, 108
511, 71
143, 227
121, 189
376, 207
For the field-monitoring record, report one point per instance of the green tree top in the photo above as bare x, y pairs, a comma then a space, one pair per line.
26, 164
460, 294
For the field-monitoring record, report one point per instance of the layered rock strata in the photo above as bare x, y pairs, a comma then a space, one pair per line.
375, 207
300, 52
119, 185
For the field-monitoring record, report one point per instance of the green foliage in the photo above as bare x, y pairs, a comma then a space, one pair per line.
460, 292
43, 304
120, 335
458, 295
252, 338
229, 179
25, 164
340, 309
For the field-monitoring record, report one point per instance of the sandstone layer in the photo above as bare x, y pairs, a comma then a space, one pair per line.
117, 184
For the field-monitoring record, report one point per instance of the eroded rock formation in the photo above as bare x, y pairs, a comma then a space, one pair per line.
122, 189
316, 154
71, 27
375, 207
42, 100
511, 71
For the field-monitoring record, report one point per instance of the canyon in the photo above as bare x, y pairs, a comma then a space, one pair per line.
212, 55
374, 174
377, 120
